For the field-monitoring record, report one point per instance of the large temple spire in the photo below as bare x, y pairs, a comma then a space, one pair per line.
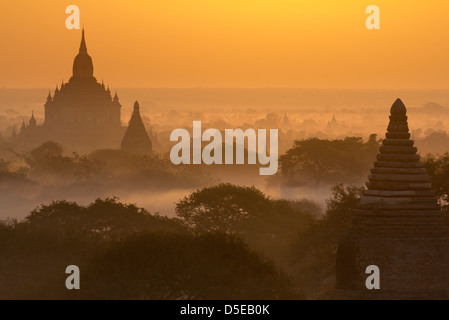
83, 66
83, 47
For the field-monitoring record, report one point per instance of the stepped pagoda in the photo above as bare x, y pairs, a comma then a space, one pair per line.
398, 226
136, 138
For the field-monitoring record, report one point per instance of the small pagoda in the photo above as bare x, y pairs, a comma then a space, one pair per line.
136, 138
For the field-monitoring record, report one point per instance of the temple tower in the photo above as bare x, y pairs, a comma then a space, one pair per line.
136, 138
32, 123
82, 65
82, 114
398, 226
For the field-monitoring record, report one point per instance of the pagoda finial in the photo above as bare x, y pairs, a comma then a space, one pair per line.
398, 108
398, 127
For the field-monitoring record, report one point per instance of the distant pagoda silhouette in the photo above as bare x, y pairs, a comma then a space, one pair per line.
136, 138
398, 226
81, 114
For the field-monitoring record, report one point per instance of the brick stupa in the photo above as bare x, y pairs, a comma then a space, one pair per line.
397, 226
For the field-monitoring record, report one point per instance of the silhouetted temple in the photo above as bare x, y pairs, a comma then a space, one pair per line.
286, 122
136, 138
82, 111
398, 226
332, 125
81, 114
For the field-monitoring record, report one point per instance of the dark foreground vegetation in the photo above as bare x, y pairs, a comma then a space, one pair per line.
127, 253
228, 242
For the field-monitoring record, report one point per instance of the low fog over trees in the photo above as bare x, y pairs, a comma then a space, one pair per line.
223, 241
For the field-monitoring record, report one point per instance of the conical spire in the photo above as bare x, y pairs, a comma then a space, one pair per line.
83, 66
116, 97
83, 47
136, 138
285, 120
334, 120
32, 122
49, 96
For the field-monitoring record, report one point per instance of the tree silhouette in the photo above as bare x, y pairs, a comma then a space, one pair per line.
108, 219
266, 224
315, 248
319, 161
219, 207
184, 266
438, 169
126, 253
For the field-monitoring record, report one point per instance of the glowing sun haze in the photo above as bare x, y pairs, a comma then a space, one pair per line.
229, 43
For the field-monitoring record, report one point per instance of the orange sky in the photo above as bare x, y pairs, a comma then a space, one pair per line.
229, 43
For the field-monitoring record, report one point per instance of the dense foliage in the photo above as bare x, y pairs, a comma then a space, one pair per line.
438, 168
318, 161
125, 252
268, 225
